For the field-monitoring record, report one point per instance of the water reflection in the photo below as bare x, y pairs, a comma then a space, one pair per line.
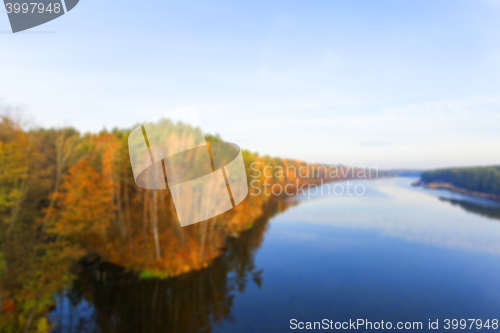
491, 211
106, 298
393, 208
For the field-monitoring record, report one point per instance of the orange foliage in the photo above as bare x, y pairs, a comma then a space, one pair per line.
8, 306
84, 202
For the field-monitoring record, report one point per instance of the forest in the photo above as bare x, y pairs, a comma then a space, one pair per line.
67, 196
477, 179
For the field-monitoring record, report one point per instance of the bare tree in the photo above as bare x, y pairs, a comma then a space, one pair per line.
64, 148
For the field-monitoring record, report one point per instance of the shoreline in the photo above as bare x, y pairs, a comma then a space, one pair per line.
453, 188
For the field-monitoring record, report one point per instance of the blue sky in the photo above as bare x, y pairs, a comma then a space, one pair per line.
386, 83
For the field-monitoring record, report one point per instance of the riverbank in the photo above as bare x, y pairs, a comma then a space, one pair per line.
453, 188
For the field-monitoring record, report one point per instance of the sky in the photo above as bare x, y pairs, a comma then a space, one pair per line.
393, 84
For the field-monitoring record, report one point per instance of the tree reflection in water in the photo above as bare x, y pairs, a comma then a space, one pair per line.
122, 301
487, 209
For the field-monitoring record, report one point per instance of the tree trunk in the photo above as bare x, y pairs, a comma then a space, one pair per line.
154, 222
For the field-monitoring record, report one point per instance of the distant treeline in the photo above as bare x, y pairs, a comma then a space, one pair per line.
400, 173
476, 179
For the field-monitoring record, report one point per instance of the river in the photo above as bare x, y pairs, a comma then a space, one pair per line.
395, 253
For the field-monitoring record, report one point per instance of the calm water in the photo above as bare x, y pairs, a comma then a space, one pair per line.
395, 254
